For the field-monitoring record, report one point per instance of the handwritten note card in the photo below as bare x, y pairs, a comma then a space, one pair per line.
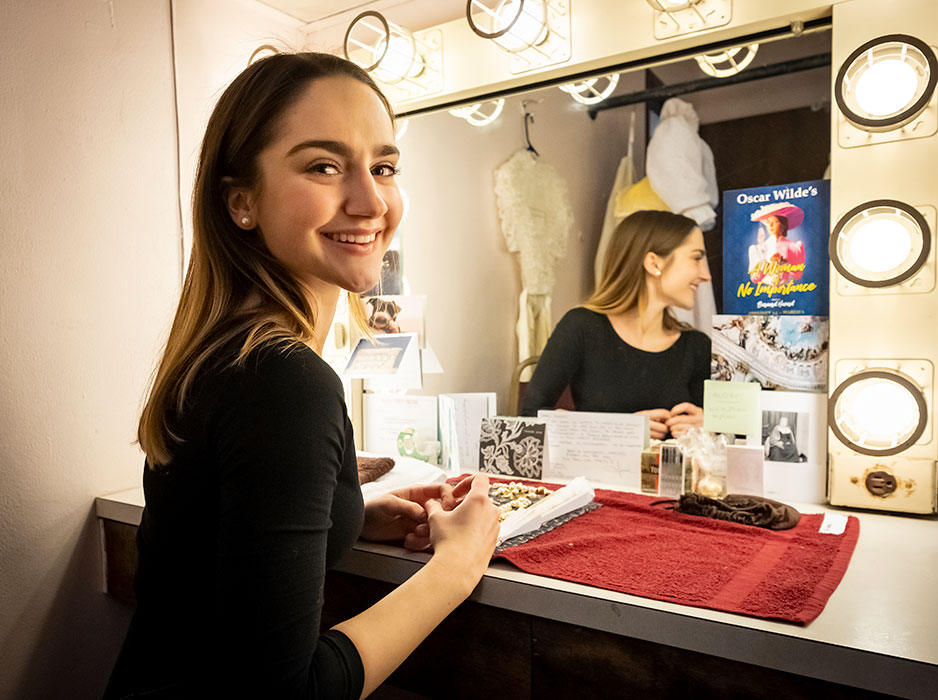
604, 447
732, 407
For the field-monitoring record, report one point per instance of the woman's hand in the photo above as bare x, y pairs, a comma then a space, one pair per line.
684, 416
400, 514
466, 534
658, 421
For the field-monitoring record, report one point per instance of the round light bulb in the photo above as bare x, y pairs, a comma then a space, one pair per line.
886, 87
879, 245
881, 411
530, 29
400, 61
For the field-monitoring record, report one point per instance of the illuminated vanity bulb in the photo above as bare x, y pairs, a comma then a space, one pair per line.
400, 61
530, 28
879, 245
480, 114
886, 87
586, 92
881, 411
878, 412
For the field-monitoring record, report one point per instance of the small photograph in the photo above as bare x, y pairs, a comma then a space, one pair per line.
779, 352
782, 433
397, 314
512, 447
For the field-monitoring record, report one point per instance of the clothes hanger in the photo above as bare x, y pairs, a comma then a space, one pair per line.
529, 118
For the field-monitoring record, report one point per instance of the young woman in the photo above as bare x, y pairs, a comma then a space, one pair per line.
623, 351
251, 480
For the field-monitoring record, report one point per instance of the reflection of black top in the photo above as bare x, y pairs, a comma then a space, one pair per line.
607, 374
261, 497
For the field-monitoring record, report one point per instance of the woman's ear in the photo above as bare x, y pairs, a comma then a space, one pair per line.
239, 201
653, 264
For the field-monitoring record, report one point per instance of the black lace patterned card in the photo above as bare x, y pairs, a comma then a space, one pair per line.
513, 447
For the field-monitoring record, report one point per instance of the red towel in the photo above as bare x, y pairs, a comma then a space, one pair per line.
631, 547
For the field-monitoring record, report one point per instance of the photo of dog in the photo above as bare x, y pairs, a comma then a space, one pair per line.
382, 315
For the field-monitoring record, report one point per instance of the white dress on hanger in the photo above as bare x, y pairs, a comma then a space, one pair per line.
681, 170
536, 217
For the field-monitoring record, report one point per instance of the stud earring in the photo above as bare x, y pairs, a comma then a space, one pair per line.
658, 272
246, 220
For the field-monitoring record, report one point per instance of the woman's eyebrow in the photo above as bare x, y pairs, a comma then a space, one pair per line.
340, 148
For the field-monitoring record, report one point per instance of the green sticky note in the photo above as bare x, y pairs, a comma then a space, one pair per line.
732, 407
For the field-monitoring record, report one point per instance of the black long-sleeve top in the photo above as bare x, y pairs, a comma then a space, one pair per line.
606, 374
260, 499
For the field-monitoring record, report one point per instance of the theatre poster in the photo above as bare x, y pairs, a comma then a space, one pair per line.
775, 249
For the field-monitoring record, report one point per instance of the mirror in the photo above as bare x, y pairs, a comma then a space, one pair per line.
762, 132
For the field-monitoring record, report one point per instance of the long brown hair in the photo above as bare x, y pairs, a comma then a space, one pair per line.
621, 284
229, 268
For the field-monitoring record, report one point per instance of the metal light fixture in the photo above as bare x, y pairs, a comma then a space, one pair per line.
481, 113
726, 63
535, 32
885, 91
676, 17
878, 412
887, 82
586, 91
409, 62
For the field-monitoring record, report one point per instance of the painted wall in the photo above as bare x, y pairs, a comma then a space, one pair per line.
212, 42
89, 274
89, 278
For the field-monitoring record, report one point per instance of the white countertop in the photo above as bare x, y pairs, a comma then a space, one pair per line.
879, 630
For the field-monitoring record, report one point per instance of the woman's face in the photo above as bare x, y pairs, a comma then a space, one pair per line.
328, 204
773, 226
686, 270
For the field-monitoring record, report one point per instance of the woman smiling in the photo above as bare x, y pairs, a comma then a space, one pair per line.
623, 351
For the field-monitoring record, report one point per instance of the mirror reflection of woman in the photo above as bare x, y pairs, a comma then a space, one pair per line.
623, 350
251, 482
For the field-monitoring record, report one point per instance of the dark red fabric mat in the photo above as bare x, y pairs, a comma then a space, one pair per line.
632, 547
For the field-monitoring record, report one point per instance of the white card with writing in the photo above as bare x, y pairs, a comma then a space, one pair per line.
606, 448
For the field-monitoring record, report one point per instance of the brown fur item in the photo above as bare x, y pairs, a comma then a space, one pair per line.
371, 468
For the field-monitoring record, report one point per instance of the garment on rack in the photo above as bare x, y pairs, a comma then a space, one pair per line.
625, 176
681, 171
536, 217
680, 165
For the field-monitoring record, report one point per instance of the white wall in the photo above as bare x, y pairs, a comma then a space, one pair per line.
212, 42
89, 273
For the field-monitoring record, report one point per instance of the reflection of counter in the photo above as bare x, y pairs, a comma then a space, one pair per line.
877, 632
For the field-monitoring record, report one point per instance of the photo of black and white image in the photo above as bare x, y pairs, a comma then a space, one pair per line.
785, 436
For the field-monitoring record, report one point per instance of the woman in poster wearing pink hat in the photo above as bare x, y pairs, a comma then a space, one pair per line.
775, 259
